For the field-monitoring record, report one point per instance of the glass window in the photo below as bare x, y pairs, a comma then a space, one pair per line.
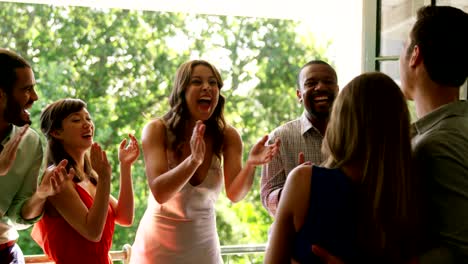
391, 68
396, 19
386, 25
462, 4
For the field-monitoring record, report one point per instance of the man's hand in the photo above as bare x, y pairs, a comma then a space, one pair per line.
8, 154
301, 160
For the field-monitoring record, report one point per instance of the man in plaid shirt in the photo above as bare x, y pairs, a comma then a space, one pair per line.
301, 139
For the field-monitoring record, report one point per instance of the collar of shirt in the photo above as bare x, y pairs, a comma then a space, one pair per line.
425, 123
306, 125
8, 135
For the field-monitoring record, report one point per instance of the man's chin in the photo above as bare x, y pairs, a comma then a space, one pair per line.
321, 115
21, 122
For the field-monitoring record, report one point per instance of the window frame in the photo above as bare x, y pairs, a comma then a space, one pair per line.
371, 29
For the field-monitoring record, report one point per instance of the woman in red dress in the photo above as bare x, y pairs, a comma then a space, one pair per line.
78, 223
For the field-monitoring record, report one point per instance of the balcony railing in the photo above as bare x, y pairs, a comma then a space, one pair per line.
124, 254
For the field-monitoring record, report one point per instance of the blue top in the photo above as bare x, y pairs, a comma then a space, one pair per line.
331, 218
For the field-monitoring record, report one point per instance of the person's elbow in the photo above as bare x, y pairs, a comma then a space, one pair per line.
234, 198
93, 235
159, 191
124, 216
235, 195
125, 221
159, 195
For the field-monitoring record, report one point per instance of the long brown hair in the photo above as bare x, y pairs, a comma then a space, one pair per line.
51, 120
369, 129
177, 118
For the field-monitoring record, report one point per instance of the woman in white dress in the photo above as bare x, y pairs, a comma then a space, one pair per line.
189, 153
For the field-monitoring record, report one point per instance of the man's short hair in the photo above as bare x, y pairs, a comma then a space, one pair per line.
312, 62
441, 35
9, 62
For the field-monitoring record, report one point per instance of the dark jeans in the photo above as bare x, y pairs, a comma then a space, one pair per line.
11, 255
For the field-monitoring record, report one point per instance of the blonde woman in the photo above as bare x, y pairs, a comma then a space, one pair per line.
362, 205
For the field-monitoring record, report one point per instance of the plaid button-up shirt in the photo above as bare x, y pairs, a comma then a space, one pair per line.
296, 136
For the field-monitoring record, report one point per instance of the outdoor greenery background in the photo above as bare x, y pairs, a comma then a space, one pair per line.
122, 63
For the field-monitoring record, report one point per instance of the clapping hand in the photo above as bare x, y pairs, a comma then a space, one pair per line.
261, 153
8, 154
129, 153
197, 142
100, 163
54, 179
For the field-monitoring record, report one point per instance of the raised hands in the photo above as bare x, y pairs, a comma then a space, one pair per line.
100, 163
54, 179
261, 153
197, 143
8, 154
128, 154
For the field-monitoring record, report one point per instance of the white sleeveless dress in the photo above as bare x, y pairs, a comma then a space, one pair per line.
182, 230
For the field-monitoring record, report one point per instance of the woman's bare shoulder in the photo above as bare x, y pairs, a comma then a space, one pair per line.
155, 127
300, 177
230, 132
156, 123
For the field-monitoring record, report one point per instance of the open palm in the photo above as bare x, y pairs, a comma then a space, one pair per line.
128, 154
54, 179
261, 153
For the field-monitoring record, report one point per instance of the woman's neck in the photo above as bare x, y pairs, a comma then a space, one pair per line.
78, 156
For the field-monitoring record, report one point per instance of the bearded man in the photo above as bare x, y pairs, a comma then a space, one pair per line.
21, 200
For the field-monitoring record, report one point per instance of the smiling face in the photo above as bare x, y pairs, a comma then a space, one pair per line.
77, 131
318, 88
21, 99
202, 93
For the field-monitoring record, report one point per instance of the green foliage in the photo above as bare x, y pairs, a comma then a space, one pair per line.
121, 62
